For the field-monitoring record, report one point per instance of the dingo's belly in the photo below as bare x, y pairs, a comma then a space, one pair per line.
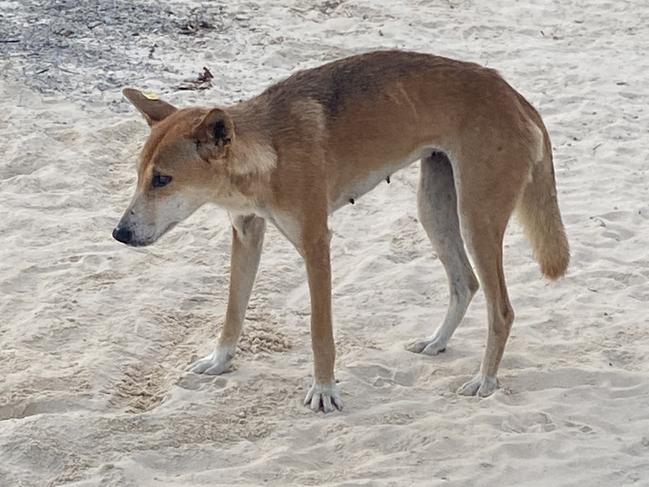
357, 186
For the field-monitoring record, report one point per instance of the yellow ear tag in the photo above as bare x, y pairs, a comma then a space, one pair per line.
150, 95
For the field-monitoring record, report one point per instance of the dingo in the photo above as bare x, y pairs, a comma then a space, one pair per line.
322, 138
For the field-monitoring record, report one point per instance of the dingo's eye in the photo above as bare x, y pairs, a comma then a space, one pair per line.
160, 180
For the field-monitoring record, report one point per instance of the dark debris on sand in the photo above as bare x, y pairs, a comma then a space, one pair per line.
59, 45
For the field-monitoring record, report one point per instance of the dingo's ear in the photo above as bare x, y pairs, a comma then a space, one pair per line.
151, 107
216, 127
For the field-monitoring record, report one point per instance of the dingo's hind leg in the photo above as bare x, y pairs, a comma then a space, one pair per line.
437, 205
491, 181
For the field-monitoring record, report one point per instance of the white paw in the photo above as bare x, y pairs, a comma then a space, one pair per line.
215, 363
479, 386
323, 397
428, 346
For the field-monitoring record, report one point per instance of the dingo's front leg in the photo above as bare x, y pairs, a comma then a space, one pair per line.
323, 393
311, 239
247, 242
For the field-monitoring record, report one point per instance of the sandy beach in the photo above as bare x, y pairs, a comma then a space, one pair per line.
95, 337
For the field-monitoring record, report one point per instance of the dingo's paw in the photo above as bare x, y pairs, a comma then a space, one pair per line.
479, 386
323, 397
427, 346
215, 363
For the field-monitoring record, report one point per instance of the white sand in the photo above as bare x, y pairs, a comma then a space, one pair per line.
95, 337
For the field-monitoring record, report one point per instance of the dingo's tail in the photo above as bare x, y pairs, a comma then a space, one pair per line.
538, 211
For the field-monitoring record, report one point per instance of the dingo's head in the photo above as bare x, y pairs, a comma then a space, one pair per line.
183, 164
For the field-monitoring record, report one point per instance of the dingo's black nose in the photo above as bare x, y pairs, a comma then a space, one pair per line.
123, 235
